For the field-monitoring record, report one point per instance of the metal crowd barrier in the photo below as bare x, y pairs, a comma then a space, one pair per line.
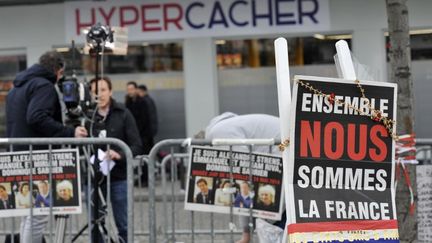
168, 231
172, 200
76, 221
146, 223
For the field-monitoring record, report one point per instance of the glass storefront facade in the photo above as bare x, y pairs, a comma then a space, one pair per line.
246, 73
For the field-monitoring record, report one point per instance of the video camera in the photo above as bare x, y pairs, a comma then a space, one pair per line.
77, 98
76, 94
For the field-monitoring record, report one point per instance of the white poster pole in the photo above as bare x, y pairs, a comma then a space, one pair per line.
345, 61
284, 102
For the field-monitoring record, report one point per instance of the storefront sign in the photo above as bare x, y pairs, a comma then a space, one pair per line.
160, 20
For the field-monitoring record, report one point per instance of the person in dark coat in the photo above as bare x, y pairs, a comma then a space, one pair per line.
206, 195
32, 105
137, 106
149, 131
116, 121
33, 110
7, 201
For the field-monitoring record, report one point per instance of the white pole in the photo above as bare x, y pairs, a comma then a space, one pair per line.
345, 61
284, 102
283, 84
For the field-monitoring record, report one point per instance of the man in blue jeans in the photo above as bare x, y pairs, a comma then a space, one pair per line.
115, 120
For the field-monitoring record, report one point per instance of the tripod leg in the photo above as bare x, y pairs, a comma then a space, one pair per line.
60, 228
98, 208
79, 233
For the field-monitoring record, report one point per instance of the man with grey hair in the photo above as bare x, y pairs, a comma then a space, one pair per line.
65, 195
33, 110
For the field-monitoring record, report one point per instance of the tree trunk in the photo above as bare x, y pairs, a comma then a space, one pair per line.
400, 73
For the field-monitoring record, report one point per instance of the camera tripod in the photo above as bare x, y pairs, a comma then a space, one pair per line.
96, 38
98, 209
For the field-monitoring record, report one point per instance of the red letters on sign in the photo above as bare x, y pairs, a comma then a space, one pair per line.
131, 21
362, 141
311, 138
338, 141
172, 19
146, 22
337, 128
151, 17
380, 152
80, 25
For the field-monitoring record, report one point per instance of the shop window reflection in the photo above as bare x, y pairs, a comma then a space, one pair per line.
142, 58
255, 53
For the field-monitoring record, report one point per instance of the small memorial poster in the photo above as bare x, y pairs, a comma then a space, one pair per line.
209, 187
26, 184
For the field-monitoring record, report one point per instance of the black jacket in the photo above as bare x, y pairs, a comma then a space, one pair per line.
209, 199
151, 107
32, 106
10, 202
119, 123
139, 110
144, 111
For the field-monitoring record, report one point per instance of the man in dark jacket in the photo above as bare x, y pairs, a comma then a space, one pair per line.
33, 110
115, 120
144, 116
150, 131
139, 110
206, 195
32, 105
7, 201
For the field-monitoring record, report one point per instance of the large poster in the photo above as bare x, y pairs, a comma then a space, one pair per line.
209, 190
25, 182
341, 166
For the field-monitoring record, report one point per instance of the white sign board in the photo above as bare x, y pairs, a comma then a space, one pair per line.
41, 181
170, 19
209, 188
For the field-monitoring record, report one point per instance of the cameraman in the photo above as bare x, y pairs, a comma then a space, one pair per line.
33, 110
113, 119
